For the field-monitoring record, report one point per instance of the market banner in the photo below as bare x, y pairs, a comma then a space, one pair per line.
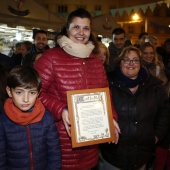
136, 8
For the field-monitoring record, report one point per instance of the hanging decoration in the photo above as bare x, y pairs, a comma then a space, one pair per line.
136, 8
107, 25
18, 11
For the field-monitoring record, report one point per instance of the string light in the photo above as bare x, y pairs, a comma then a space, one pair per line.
135, 17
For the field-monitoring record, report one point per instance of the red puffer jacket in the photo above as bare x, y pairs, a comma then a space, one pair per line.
60, 73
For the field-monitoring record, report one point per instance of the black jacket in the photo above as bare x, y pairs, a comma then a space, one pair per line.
28, 59
141, 117
6, 61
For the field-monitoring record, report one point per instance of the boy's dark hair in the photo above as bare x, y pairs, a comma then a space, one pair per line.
24, 76
35, 32
118, 31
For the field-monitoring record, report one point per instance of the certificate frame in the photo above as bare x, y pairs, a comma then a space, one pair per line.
94, 125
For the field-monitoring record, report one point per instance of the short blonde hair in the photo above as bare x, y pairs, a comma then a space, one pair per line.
148, 44
126, 51
101, 45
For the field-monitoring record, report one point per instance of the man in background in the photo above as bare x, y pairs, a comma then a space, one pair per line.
116, 46
141, 38
40, 44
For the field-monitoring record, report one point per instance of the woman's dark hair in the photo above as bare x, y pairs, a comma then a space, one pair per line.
82, 13
3, 82
24, 76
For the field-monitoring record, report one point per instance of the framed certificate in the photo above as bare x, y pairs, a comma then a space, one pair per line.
91, 117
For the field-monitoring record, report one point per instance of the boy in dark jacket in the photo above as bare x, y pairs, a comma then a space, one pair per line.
28, 135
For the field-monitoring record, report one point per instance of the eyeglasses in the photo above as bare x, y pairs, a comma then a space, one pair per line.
134, 61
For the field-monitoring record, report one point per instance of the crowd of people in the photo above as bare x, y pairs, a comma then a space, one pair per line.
35, 127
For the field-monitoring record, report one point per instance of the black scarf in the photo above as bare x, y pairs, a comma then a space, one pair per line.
149, 66
34, 51
130, 83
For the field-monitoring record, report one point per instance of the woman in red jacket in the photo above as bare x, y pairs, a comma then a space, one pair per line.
71, 65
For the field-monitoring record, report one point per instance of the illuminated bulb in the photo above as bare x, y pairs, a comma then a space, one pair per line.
135, 17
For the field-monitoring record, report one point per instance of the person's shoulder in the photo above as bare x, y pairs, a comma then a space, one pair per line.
111, 45
160, 50
28, 56
161, 64
53, 51
16, 56
153, 81
3, 116
111, 77
4, 57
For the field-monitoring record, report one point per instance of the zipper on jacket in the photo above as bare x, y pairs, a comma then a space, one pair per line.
83, 61
84, 72
30, 147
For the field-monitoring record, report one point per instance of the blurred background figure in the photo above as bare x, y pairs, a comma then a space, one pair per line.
3, 81
152, 39
15, 50
116, 46
16, 57
128, 43
36, 57
6, 61
40, 44
151, 62
19, 57
141, 39
164, 51
25, 47
103, 54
